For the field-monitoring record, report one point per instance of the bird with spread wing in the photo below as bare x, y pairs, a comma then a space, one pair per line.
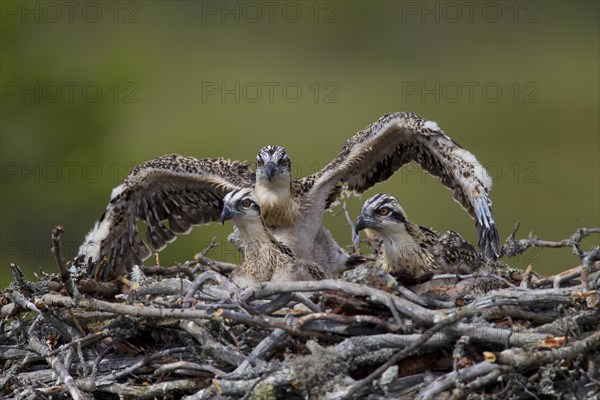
173, 193
410, 250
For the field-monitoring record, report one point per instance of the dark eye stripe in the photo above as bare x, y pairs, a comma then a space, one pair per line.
396, 216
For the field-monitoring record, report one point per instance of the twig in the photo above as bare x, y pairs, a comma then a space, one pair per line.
176, 269
187, 366
349, 320
65, 275
405, 307
588, 258
40, 348
522, 359
274, 338
218, 266
146, 360
408, 350
353, 236
448, 380
512, 247
208, 343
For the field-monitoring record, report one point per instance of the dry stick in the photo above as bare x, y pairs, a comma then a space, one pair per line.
526, 281
157, 390
22, 302
176, 269
86, 340
536, 299
203, 277
42, 349
146, 311
464, 313
301, 298
490, 378
18, 276
15, 368
219, 266
263, 322
355, 347
522, 359
265, 345
349, 320
283, 300
276, 304
353, 235
448, 380
213, 243
188, 366
512, 247
144, 361
208, 343
589, 257
414, 311
572, 273
99, 358
65, 275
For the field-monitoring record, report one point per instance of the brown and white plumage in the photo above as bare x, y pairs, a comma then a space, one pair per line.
378, 151
265, 258
413, 250
170, 194
173, 193
369, 157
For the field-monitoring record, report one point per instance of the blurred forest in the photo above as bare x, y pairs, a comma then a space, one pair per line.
91, 89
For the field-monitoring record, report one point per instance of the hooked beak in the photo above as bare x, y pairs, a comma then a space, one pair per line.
270, 170
226, 214
362, 223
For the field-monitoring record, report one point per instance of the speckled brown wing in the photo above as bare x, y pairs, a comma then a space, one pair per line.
170, 194
382, 148
315, 271
454, 254
429, 236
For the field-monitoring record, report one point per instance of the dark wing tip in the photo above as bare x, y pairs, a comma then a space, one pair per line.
355, 261
489, 241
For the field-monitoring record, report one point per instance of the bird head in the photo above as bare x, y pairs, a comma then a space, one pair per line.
273, 165
239, 205
383, 214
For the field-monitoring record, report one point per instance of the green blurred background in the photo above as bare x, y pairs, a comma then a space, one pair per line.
90, 89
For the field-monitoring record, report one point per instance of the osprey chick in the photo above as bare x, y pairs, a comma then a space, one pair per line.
412, 249
265, 258
173, 193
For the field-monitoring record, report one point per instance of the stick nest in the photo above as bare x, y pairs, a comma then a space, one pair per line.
187, 332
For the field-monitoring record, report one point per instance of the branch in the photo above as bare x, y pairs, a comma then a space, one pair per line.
65, 275
512, 247
40, 348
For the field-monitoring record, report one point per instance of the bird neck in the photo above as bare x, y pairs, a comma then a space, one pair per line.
278, 206
262, 252
402, 251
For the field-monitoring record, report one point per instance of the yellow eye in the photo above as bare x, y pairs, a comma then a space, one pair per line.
259, 162
246, 203
384, 211
284, 162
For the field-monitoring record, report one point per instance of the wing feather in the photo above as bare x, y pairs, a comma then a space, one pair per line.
382, 148
170, 194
